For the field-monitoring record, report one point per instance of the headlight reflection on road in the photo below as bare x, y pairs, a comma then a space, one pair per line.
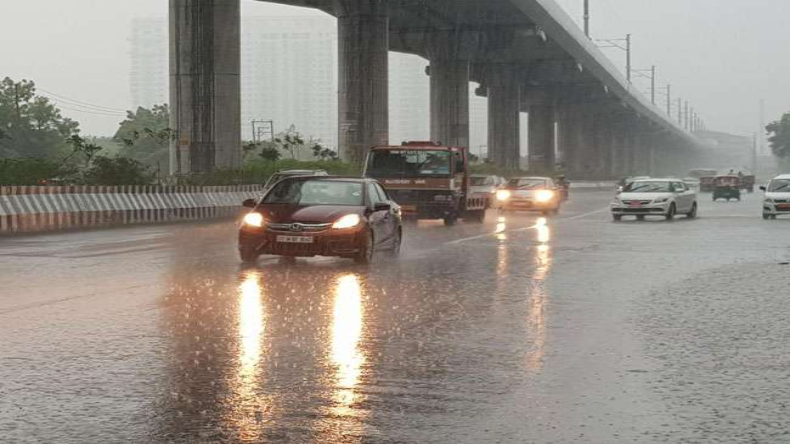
544, 232
538, 301
501, 227
347, 326
247, 407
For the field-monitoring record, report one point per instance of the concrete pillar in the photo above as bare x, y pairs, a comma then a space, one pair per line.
450, 101
566, 133
541, 137
618, 147
205, 88
588, 140
504, 107
363, 45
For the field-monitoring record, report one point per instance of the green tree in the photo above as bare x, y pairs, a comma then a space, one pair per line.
30, 125
116, 171
779, 137
146, 135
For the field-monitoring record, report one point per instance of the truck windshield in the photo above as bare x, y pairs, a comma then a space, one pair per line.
409, 163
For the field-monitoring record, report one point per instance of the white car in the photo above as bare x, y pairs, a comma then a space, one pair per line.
483, 184
655, 197
777, 197
531, 194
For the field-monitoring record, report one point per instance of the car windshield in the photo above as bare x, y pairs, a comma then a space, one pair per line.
478, 181
779, 185
409, 163
527, 184
315, 192
652, 186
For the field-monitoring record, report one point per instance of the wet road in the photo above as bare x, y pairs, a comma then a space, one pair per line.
579, 330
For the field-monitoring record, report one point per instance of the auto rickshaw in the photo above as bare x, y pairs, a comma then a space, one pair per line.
727, 187
707, 184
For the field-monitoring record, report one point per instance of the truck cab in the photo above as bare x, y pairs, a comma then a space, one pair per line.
428, 181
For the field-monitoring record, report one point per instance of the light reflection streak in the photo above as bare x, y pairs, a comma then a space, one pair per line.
501, 227
536, 312
347, 327
246, 408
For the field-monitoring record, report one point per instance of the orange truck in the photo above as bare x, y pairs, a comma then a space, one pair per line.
428, 181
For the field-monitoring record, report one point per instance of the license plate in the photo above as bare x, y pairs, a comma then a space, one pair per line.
636, 204
295, 239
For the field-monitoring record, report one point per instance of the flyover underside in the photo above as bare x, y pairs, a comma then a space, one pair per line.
550, 69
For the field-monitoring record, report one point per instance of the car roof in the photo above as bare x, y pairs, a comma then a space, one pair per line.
299, 171
333, 178
782, 177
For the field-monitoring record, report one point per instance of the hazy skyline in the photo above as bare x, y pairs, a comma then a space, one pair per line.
721, 56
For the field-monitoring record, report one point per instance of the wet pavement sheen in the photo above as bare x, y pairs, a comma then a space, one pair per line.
520, 330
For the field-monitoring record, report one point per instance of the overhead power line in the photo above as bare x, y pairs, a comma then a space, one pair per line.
75, 102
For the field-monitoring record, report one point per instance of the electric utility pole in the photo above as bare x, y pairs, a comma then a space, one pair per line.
587, 18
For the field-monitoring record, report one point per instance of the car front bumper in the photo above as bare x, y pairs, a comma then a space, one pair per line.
528, 205
339, 243
775, 209
656, 209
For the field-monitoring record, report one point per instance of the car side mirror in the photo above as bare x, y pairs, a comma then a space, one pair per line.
763, 189
382, 206
250, 203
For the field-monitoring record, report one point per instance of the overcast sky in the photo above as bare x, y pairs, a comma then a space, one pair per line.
722, 55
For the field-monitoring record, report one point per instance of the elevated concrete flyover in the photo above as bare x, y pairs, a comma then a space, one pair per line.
527, 55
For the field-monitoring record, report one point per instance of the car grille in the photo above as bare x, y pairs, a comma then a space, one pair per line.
642, 202
782, 201
298, 228
641, 210
415, 197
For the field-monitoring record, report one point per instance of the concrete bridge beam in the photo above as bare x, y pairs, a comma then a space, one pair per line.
205, 88
363, 80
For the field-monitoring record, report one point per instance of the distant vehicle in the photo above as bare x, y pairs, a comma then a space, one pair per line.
531, 194
321, 216
428, 180
726, 187
691, 182
489, 185
777, 197
280, 175
707, 184
699, 173
655, 197
748, 182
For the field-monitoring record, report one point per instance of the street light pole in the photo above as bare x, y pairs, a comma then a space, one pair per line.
628, 56
587, 18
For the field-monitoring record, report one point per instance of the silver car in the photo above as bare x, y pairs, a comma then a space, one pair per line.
777, 197
655, 197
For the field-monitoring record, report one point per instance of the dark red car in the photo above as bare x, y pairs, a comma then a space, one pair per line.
322, 216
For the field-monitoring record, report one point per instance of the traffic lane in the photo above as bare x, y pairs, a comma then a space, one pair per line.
467, 338
81, 308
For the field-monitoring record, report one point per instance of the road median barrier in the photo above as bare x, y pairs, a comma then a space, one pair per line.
30, 209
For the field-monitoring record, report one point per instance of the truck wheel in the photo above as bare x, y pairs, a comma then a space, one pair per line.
477, 217
450, 220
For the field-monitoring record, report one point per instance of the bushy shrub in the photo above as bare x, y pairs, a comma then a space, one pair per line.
116, 171
33, 171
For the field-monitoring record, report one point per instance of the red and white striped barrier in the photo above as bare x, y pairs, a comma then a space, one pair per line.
26, 209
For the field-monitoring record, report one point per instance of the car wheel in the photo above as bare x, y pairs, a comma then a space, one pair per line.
365, 255
617, 217
766, 216
397, 243
450, 220
693, 213
248, 255
671, 213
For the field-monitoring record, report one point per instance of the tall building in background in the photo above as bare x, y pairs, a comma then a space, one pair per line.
410, 98
289, 75
150, 63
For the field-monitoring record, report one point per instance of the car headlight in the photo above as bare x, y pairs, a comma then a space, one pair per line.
254, 220
661, 200
544, 196
347, 221
503, 195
